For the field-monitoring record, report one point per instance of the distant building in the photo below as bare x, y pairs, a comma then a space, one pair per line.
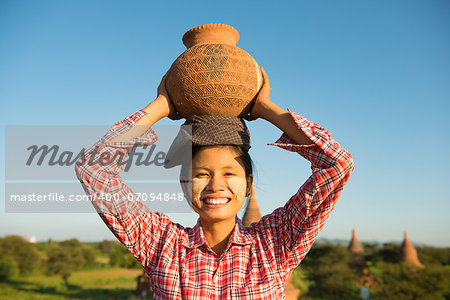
408, 254
32, 239
252, 213
358, 262
355, 248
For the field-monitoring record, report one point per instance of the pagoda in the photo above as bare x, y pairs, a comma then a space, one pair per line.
252, 213
358, 262
355, 247
408, 254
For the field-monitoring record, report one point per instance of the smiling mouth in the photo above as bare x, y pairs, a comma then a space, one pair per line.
216, 201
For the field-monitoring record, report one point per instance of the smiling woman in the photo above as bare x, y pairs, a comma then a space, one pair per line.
219, 188
219, 258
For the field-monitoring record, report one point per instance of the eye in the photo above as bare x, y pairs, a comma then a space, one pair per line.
229, 174
201, 175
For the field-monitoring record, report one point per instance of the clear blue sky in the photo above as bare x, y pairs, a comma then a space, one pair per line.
375, 73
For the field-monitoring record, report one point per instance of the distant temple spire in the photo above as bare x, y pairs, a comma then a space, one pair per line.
408, 253
355, 247
358, 262
252, 213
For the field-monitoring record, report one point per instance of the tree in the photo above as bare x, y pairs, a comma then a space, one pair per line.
8, 268
67, 257
87, 252
327, 266
300, 280
88, 255
121, 257
433, 255
106, 246
63, 260
402, 281
118, 257
25, 254
390, 252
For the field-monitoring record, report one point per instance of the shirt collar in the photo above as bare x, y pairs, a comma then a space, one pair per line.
241, 236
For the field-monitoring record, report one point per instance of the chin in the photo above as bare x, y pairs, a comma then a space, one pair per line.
216, 217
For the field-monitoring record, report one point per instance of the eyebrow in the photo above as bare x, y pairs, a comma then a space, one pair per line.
204, 168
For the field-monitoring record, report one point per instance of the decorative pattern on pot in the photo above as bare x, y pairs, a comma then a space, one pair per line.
213, 76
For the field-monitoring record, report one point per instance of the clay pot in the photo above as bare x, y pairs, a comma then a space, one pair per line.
213, 76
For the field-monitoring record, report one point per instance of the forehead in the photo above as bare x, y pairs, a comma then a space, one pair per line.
219, 156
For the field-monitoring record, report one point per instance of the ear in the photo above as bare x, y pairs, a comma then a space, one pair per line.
186, 186
186, 182
249, 185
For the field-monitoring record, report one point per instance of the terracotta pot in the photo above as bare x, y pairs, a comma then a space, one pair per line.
213, 76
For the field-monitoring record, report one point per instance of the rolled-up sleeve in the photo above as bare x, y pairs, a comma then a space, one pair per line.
143, 232
291, 230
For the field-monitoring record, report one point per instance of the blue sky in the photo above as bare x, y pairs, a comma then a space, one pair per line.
375, 73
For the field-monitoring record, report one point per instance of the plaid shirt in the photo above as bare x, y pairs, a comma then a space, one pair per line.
257, 259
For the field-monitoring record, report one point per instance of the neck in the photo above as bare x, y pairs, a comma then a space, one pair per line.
217, 234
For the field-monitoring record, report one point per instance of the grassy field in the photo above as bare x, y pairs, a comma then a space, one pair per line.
110, 284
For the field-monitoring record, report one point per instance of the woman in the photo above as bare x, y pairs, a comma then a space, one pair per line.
219, 258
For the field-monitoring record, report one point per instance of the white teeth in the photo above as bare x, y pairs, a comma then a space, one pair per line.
216, 201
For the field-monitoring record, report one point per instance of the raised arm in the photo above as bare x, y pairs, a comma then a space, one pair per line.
292, 229
266, 109
144, 233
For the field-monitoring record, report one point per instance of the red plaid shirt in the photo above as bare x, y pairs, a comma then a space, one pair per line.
257, 260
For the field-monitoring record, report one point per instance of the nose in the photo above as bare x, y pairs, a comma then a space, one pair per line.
216, 183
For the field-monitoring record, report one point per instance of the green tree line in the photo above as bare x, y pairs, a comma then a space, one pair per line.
329, 271
19, 257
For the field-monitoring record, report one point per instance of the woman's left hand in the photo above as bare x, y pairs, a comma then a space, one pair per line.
163, 97
271, 112
262, 103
